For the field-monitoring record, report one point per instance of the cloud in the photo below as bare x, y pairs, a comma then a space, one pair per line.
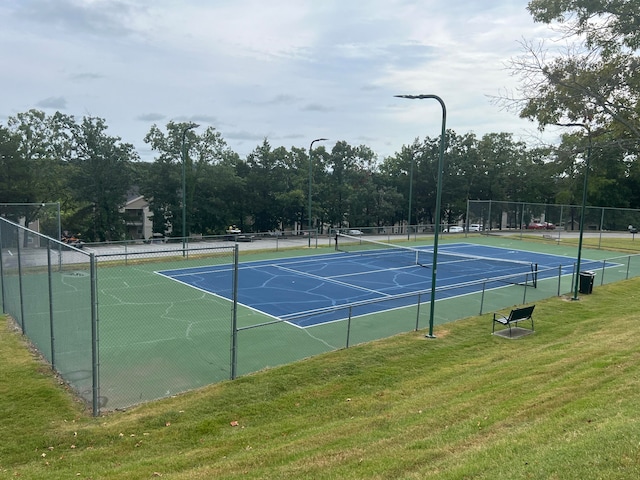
151, 117
101, 17
57, 103
287, 70
316, 107
86, 76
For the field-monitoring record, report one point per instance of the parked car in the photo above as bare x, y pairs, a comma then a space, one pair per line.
71, 239
475, 227
541, 226
455, 230
354, 232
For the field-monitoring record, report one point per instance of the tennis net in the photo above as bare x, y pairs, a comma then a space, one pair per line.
388, 254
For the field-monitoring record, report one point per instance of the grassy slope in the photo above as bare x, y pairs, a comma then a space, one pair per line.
562, 403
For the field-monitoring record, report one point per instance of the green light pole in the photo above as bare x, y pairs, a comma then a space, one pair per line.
584, 203
434, 268
188, 127
410, 197
311, 181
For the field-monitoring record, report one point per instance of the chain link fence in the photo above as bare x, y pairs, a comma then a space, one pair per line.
121, 332
550, 219
111, 326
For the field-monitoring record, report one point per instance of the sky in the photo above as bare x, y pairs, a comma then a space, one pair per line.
288, 71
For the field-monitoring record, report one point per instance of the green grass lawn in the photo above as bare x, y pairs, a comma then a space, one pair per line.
563, 403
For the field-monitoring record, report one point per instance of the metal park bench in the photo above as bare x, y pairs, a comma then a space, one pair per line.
516, 315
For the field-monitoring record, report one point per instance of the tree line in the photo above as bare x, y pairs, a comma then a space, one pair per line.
593, 88
55, 158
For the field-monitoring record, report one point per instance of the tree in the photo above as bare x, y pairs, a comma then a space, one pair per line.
265, 186
347, 169
14, 171
43, 145
596, 79
163, 187
100, 178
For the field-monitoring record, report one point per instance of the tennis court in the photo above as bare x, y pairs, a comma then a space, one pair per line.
305, 291
149, 321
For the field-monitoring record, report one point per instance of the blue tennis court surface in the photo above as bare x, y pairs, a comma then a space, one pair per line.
297, 289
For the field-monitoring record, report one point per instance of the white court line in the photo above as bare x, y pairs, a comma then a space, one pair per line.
330, 279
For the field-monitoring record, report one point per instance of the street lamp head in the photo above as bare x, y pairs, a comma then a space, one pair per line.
414, 97
318, 140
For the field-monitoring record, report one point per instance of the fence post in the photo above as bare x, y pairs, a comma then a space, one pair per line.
23, 324
418, 313
484, 285
2, 279
50, 285
349, 327
95, 391
601, 227
234, 316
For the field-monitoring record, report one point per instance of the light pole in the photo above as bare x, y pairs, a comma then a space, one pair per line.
310, 181
188, 127
584, 202
434, 267
410, 197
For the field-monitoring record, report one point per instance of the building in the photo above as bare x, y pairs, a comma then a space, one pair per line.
138, 218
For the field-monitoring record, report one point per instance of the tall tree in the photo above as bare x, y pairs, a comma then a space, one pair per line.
163, 187
44, 144
100, 178
347, 169
14, 171
596, 80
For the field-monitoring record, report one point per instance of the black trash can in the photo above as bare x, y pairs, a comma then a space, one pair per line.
586, 281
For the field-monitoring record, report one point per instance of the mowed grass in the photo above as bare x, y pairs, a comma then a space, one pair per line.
563, 403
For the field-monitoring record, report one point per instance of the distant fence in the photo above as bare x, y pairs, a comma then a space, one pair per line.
521, 216
121, 333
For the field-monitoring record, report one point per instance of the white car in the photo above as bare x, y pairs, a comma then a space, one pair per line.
475, 227
455, 230
354, 232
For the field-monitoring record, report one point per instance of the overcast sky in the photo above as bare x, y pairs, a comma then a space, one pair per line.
286, 70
